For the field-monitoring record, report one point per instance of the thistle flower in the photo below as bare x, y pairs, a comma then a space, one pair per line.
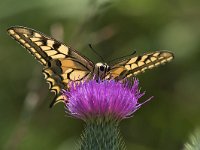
102, 105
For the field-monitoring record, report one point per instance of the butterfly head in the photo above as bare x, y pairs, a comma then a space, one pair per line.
101, 69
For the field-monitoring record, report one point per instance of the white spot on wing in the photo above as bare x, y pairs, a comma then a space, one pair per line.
37, 35
140, 63
58, 56
11, 31
35, 39
128, 67
132, 60
156, 54
22, 41
45, 48
63, 49
50, 43
153, 58
17, 36
51, 52
38, 43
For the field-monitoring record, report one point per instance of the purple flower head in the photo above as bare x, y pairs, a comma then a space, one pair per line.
102, 99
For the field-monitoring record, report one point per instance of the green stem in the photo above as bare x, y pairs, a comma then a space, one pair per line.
100, 134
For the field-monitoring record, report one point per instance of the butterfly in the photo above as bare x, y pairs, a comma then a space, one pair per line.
62, 64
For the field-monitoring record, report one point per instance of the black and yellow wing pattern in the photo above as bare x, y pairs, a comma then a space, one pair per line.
61, 63
137, 64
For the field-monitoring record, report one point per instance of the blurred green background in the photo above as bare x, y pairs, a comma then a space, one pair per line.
115, 28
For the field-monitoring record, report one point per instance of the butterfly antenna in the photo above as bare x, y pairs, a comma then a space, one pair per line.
90, 45
133, 53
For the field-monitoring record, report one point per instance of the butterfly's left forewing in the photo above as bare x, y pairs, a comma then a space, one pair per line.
61, 63
138, 64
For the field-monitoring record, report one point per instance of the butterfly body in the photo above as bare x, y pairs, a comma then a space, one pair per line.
100, 70
62, 64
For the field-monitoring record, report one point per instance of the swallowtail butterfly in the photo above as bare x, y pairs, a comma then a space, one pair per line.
63, 64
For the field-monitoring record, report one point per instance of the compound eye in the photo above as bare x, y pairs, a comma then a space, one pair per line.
101, 68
